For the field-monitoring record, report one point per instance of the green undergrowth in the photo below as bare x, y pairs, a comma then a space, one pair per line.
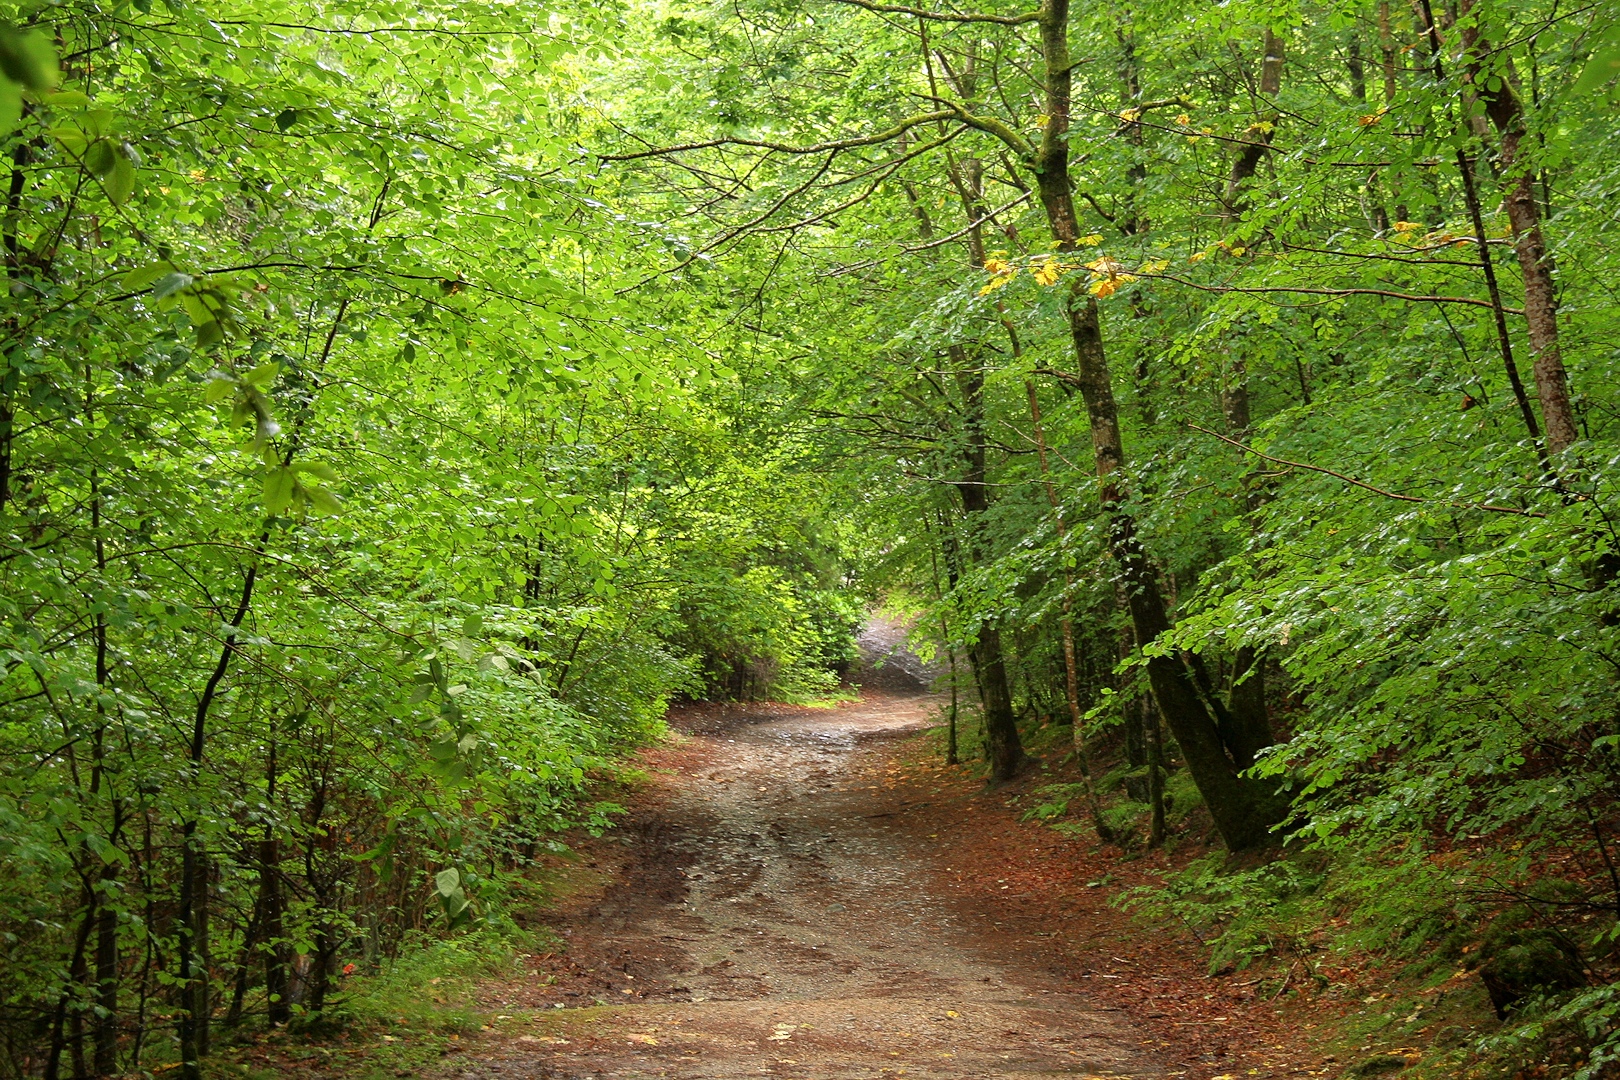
434, 987
409, 1015
1402, 908
1381, 952
405, 1019
1374, 952
826, 697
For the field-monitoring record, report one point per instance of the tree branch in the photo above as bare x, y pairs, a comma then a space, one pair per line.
943, 16
1416, 297
1488, 507
787, 148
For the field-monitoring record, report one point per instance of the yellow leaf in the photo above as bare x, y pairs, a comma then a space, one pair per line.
1090, 241
1154, 266
645, 1040
952, 1013
1183, 119
1131, 116
1104, 287
1047, 273
1197, 256
1005, 274
992, 285
1407, 226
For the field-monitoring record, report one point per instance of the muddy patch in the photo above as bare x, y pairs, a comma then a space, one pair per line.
772, 914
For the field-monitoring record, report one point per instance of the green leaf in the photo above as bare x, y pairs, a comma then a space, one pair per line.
323, 503
120, 184
143, 277
278, 489
1604, 65
100, 158
97, 123
220, 386
72, 139
168, 284
10, 106
447, 882
286, 118
318, 469
263, 376
27, 59
210, 333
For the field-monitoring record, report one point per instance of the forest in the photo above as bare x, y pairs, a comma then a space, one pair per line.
403, 404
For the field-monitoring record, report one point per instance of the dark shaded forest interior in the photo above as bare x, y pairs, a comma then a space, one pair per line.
1173, 437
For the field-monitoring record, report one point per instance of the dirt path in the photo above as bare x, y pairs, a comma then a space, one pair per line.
774, 915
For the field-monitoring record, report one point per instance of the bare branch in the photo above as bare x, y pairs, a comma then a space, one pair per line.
943, 16
1488, 507
1415, 297
958, 234
787, 148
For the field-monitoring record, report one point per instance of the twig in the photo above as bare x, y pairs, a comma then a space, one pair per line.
944, 16
1490, 507
1391, 294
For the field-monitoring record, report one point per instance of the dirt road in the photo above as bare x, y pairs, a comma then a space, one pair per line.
774, 915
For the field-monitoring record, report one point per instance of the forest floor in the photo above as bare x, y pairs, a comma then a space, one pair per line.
802, 892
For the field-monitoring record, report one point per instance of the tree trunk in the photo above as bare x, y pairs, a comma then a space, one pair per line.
1235, 390
951, 756
53, 1057
1524, 214
1388, 58
1243, 809
1071, 680
1257, 139
1357, 67
106, 997
278, 1010
1155, 771
192, 917
1132, 221
1248, 730
1466, 169
1003, 747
